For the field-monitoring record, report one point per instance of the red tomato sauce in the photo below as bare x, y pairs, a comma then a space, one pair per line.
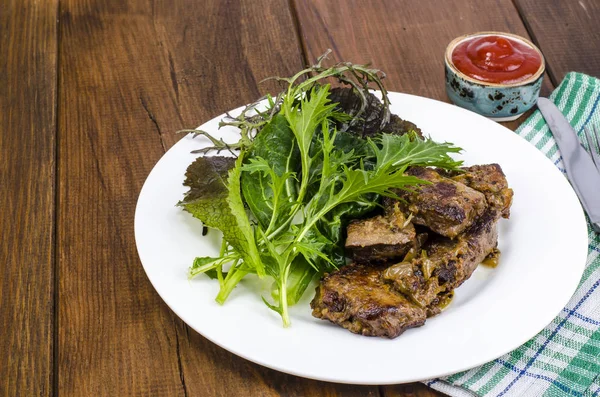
496, 59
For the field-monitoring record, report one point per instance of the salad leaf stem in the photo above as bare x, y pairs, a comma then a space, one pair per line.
234, 276
204, 264
283, 300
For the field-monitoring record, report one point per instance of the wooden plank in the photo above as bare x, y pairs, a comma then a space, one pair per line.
115, 337
406, 39
131, 75
566, 32
27, 150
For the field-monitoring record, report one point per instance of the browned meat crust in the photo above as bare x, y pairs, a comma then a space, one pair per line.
356, 298
447, 264
489, 180
445, 206
380, 238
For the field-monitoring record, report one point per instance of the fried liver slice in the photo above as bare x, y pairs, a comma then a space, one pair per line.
447, 263
445, 206
490, 180
357, 298
380, 238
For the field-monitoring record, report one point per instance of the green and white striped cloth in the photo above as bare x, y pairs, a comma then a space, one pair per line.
563, 359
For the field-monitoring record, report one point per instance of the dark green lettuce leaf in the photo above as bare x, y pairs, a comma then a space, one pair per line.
276, 144
370, 122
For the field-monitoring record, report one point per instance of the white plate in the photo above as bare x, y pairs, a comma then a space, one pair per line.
544, 246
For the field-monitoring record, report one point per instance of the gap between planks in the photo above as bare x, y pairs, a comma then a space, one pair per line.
54, 376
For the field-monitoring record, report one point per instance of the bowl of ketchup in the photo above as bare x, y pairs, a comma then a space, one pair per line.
498, 75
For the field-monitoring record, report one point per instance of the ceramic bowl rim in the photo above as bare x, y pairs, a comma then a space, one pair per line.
459, 39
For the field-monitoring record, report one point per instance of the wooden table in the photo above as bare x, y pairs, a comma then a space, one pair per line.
91, 94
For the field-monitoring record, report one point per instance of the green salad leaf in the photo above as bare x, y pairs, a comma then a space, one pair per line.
404, 150
243, 240
299, 279
269, 182
206, 178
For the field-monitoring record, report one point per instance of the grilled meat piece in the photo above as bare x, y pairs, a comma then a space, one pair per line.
380, 238
489, 180
370, 121
447, 263
445, 206
356, 298
378, 301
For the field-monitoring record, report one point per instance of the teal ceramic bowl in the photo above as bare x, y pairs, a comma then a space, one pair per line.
500, 102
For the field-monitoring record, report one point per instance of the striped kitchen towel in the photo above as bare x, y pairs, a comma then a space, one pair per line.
563, 359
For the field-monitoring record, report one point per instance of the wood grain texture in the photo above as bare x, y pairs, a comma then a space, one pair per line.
115, 336
28, 44
130, 76
567, 32
406, 39
409, 390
